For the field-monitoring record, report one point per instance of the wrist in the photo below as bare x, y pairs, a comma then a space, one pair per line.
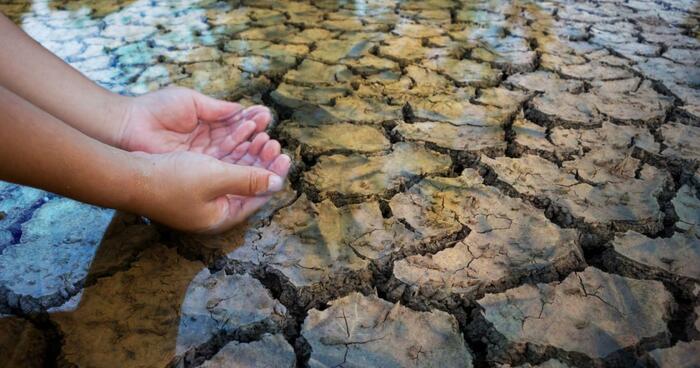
117, 110
139, 183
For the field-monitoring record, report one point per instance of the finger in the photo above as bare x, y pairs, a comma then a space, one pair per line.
261, 115
243, 181
257, 144
211, 109
239, 209
280, 165
237, 153
269, 152
254, 150
239, 135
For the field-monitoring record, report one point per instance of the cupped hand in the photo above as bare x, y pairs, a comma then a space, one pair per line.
180, 119
210, 159
195, 192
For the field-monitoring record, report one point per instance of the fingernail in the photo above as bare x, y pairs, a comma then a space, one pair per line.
274, 183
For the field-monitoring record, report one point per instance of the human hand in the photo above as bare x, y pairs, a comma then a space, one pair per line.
196, 139
196, 192
179, 119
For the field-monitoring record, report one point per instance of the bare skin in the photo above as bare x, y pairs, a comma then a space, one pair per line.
181, 158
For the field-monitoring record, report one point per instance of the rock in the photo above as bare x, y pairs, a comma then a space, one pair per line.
682, 355
687, 206
270, 351
51, 260
336, 138
129, 317
609, 204
478, 139
362, 176
589, 318
509, 241
362, 331
226, 305
22, 344
680, 141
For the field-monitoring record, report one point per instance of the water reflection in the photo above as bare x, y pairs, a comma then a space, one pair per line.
143, 303
131, 316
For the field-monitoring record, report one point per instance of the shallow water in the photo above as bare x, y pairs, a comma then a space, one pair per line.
443, 151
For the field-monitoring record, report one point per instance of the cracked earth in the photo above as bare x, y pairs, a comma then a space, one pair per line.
475, 184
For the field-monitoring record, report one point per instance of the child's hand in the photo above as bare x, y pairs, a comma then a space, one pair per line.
196, 192
180, 119
206, 169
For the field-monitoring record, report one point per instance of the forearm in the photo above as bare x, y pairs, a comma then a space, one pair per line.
38, 150
35, 74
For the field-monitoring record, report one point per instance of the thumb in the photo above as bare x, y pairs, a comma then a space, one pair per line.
246, 181
211, 109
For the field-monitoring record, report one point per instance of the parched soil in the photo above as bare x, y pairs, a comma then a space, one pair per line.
475, 184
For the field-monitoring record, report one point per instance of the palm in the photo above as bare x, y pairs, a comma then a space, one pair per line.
177, 119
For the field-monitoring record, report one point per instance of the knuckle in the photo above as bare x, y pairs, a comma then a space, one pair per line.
252, 181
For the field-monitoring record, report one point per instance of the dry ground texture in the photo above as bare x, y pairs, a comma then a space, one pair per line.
476, 184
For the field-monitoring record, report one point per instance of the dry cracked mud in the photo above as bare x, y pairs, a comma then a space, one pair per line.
366, 331
475, 183
588, 318
509, 242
